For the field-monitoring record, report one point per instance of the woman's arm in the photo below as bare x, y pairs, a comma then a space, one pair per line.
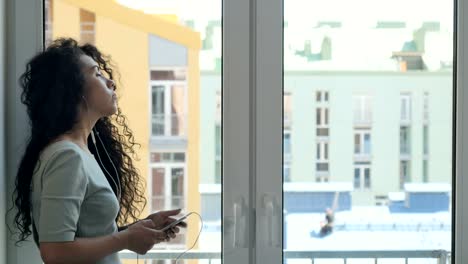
83, 250
139, 237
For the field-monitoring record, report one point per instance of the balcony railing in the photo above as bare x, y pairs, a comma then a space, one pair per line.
169, 125
439, 256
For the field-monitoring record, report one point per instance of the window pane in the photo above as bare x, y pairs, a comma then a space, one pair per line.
367, 144
381, 84
367, 178
178, 110
357, 143
319, 116
158, 110
158, 191
168, 69
357, 178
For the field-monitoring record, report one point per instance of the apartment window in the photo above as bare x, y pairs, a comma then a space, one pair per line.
322, 167
405, 140
362, 110
362, 142
168, 180
322, 114
168, 103
405, 108
87, 26
167, 186
362, 176
321, 96
322, 151
404, 173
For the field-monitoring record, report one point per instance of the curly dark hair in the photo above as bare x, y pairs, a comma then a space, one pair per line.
53, 86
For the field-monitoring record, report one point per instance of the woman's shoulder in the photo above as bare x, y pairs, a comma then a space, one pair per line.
63, 150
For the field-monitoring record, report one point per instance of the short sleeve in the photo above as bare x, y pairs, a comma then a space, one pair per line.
64, 184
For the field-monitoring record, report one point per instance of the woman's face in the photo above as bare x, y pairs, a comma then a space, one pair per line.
99, 90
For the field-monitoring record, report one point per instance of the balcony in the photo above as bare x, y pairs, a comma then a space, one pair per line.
169, 130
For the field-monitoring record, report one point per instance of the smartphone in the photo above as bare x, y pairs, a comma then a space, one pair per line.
171, 225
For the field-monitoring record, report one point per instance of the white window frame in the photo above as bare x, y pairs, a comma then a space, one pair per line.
322, 94
362, 109
167, 107
362, 168
321, 151
324, 119
252, 78
167, 166
362, 155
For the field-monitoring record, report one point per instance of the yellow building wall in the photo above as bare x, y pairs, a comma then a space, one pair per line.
66, 20
193, 147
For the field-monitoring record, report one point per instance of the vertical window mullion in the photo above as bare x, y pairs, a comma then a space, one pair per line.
461, 126
237, 159
268, 129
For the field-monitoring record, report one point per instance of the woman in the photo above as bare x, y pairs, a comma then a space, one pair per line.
76, 181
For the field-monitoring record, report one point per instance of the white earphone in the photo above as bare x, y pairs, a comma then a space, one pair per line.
117, 184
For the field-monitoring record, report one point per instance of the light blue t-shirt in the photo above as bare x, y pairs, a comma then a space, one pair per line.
71, 197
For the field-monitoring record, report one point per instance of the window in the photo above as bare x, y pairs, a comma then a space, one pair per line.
168, 103
362, 110
322, 116
362, 176
321, 96
405, 140
168, 180
322, 151
322, 169
362, 142
404, 173
322, 113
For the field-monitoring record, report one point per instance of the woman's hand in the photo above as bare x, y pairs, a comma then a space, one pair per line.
142, 236
163, 218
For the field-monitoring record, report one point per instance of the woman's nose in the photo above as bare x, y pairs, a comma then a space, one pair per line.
111, 84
